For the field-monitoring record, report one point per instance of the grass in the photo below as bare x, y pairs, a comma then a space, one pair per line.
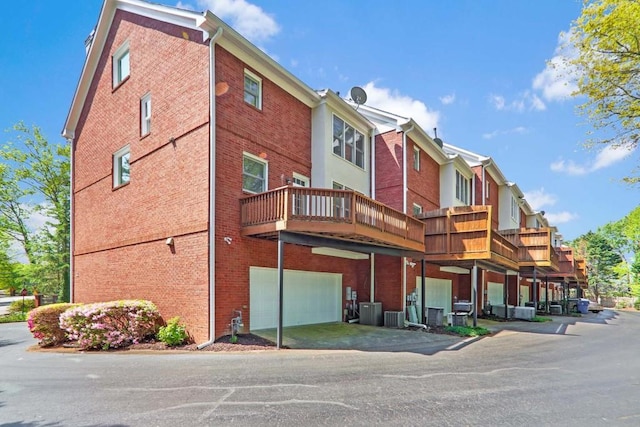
541, 319
14, 317
468, 331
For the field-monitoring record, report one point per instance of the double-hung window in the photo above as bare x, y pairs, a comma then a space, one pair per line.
416, 158
145, 114
417, 209
515, 210
121, 169
462, 188
300, 201
121, 64
252, 89
341, 203
254, 174
348, 142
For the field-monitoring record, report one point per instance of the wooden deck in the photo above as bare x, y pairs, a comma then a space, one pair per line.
339, 214
571, 269
535, 248
458, 235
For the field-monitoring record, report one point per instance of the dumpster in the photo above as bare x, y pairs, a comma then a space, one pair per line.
583, 305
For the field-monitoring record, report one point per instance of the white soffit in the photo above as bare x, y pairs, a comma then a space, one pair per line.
338, 253
454, 269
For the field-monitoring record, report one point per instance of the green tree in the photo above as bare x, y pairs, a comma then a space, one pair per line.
34, 178
607, 40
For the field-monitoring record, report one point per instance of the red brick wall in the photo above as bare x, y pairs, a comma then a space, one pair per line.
423, 185
389, 169
119, 235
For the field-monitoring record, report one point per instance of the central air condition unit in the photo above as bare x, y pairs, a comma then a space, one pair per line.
394, 319
371, 313
457, 319
462, 306
434, 316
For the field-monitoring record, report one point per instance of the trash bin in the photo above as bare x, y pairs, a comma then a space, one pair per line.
583, 305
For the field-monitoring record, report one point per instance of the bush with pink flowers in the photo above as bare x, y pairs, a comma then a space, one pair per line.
111, 324
44, 323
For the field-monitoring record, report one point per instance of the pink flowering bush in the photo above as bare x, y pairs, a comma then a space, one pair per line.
111, 324
44, 323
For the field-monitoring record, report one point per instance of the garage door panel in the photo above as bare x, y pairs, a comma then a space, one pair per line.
309, 297
437, 294
495, 293
524, 294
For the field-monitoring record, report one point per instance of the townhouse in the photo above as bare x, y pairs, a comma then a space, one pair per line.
210, 180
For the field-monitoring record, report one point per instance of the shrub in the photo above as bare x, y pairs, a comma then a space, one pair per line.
468, 331
44, 323
13, 317
20, 306
637, 304
541, 319
111, 324
174, 333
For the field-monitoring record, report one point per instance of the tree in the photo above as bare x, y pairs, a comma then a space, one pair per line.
34, 179
607, 40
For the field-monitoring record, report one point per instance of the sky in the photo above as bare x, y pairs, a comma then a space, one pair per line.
478, 70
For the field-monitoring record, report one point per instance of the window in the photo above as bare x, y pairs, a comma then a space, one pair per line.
121, 172
252, 89
145, 114
515, 210
417, 210
254, 174
341, 204
416, 158
462, 188
300, 201
348, 142
121, 65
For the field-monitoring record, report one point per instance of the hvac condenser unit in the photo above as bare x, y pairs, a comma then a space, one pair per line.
394, 319
371, 313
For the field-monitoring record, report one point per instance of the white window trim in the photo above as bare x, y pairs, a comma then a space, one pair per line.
416, 159
266, 171
115, 62
116, 165
145, 119
465, 196
258, 80
418, 208
302, 178
343, 154
515, 210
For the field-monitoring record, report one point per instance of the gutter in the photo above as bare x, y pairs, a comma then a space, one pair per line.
404, 211
212, 189
69, 137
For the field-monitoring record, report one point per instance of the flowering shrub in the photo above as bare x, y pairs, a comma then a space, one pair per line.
174, 333
44, 323
19, 306
111, 324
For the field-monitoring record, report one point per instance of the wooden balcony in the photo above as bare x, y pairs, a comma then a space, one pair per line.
571, 269
460, 235
535, 249
339, 214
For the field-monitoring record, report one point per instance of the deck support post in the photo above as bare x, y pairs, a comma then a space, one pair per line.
474, 293
280, 290
423, 297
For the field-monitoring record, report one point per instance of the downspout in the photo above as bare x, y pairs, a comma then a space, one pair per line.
404, 211
212, 189
71, 216
484, 184
372, 256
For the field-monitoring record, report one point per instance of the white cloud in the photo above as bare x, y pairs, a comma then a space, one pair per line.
558, 80
246, 18
525, 101
402, 105
516, 130
606, 157
539, 198
560, 217
448, 99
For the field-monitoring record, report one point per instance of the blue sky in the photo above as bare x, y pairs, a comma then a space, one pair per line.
476, 70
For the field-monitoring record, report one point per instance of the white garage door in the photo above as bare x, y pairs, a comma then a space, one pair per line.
309, 297
524, 294
495, 293
437, 293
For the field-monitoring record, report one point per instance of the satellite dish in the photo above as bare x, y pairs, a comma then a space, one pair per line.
358, 95
438, 141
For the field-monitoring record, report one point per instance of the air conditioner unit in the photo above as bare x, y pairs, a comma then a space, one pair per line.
371, 313
394, 319
457, 319
434, 316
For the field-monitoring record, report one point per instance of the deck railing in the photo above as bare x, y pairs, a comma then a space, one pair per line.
534, 246
463, 231
326, 206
